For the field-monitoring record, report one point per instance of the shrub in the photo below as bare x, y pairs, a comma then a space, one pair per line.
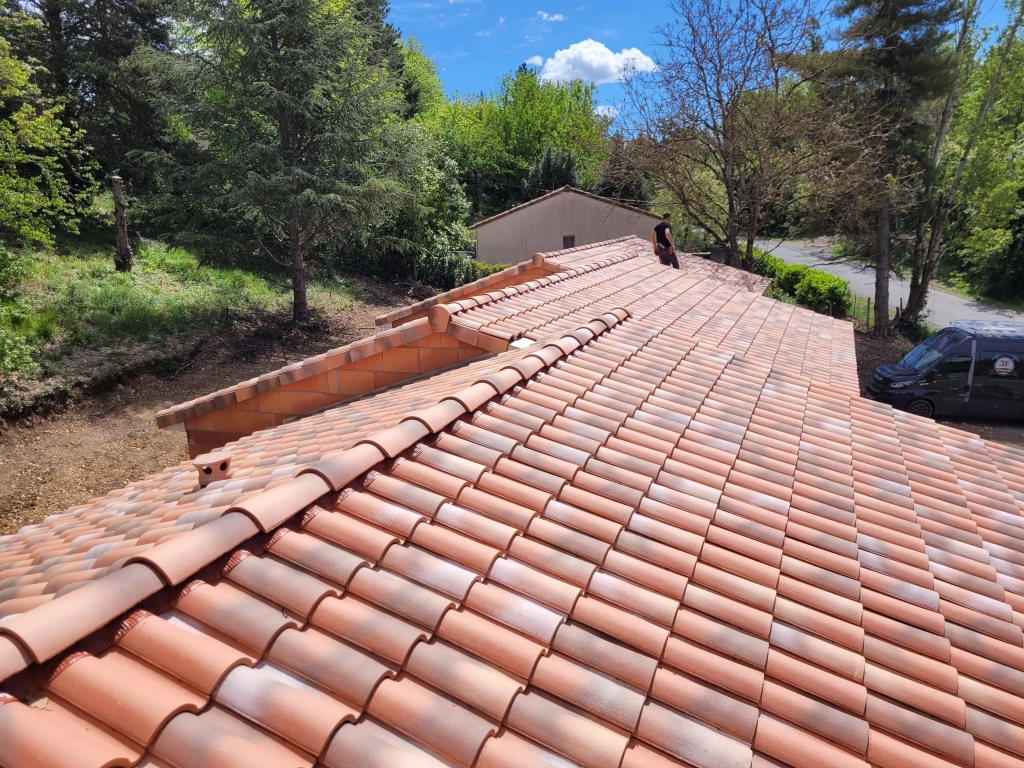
767, 265
15, 354
790, 275
478, 269
823, 292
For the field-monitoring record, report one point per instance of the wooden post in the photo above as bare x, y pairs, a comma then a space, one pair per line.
123, 257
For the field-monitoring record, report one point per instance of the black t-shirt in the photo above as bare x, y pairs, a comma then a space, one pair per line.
660, 231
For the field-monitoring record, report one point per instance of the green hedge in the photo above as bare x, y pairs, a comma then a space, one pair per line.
812, 288
824, 293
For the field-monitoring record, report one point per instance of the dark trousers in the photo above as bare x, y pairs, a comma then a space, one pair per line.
667, 256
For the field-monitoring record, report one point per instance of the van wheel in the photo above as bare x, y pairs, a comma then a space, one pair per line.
921, 408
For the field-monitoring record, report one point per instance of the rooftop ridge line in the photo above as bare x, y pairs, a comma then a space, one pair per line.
537, 261
29, 637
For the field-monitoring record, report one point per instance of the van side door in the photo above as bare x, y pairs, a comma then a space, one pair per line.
950, 381
997, 389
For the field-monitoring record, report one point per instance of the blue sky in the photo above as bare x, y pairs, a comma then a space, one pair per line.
475, 42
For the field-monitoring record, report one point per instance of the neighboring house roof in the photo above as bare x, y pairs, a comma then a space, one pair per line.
556, 193
627, 546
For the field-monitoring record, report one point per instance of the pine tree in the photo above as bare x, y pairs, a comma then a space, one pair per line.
554, 169
903, 59
296, 121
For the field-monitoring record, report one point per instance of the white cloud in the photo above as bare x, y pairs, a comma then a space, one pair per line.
535, 61
607, 110
594, 62
555, 17
501, 20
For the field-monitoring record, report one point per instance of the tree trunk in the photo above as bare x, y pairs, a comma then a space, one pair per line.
123, 256
300, 307
882, 274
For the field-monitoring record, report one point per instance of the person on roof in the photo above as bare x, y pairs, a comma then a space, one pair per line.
661, 239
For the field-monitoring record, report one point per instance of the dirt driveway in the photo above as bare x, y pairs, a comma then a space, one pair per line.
104, 442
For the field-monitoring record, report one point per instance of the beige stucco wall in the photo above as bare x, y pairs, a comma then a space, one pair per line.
539, 228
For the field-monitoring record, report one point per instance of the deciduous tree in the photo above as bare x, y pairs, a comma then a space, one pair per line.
45, 171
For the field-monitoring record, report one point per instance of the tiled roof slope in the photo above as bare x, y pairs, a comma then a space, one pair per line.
624, 549
92, 539
583, 283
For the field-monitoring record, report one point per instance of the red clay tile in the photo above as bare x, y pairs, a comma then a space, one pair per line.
534, 584
400, 596
178, 558
271, 508
55, 625
405, 494
124, 694
47, 733
216, 738
944, 739
317, 556
367, 627
436, 573
590, 691
291, 588
342, 468
718, 670
816, 681
567, 732
833, 724
889, 752
605, 656
623, 626
738, 614
351, 533
465, 678
369, 744
333, 665
197, 660
798, 748
564, 566
431, 719
381, 513
294, 711
519, 613
724, 712
691, 741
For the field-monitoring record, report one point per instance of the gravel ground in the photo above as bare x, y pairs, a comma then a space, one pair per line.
109, 440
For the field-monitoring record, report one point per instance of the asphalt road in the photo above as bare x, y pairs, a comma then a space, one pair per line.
943, 308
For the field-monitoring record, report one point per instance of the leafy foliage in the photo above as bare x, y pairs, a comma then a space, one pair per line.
495, 139
296, 122
813, 288
44, 166
822, 292
83, 47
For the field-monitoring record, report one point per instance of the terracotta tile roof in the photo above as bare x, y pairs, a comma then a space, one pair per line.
567, 288
623, 548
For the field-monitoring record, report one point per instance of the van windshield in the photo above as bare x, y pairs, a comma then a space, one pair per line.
926, 354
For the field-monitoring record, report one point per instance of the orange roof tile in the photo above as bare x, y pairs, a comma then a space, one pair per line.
623, 547
582, 283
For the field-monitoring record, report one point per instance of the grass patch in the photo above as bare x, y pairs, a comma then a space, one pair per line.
73, 297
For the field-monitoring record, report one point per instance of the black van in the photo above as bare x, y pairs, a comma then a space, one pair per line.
974, 368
